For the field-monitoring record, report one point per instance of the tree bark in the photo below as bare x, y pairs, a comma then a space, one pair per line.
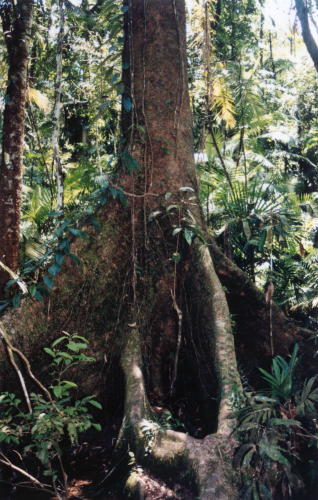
57, 163
16, 22
251, 313
310, 42
158, 132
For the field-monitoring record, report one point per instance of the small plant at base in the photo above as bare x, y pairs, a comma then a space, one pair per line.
55, 416
168, 421
278, 433
150, 431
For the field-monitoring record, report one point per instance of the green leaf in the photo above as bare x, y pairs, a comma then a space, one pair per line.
94, 222
95, 403
59, 258
98, 427
66, 355
48, 282
247, 426
262, 241
172, 207
285, 421
77, 232
120, 88
4, 304
265, 399
57, 390
43, 455
115, 77
65, 245
59, 340
79, 337
49, 352
38, 296
54, 269
11, 282
127, 103
129, 162
273, 452
188, 235
54, 214
76, 346
248, 458
153, 215
16, 300
68, 383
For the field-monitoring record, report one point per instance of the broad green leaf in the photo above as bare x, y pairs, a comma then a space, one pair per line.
54, 269
98, 427
274, 453
129, 162
127, 103
49, 352
59, 258
188, 235
16, 300
76, 346
48, 282
95, 403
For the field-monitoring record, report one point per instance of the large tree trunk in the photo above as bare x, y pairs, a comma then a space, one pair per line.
16, 21
150, 302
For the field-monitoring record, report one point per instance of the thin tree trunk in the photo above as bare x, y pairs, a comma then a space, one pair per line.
217, 11
261, 41
310, 42
271, 55
57, 163
16, 21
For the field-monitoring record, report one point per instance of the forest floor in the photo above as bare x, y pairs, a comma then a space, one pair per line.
93, 476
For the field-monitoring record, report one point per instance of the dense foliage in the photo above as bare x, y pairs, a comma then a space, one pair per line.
255, 108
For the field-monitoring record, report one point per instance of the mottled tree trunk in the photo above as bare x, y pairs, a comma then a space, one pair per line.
16, 21
57, 162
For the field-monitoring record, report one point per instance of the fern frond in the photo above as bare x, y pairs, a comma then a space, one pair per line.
40, 99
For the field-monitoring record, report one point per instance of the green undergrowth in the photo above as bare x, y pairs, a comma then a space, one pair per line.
278, 434
36, 428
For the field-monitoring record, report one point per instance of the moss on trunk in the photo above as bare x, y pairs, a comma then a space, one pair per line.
16, 22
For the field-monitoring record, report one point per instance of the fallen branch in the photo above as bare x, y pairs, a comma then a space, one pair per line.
5, 461
26, 362
16, 368
14, 276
